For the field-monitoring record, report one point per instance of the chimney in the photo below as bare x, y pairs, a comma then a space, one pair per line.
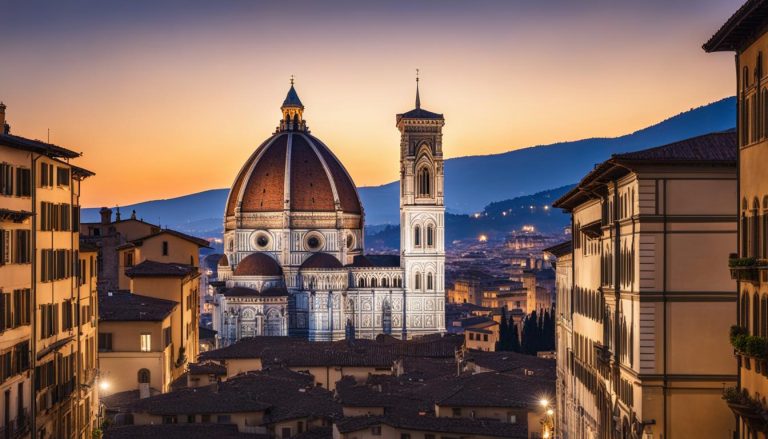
4, 127
106, 215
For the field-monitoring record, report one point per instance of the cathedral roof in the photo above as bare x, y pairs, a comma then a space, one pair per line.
297, 171
321, 260
258, 264
292, 99
223, 261
419, 113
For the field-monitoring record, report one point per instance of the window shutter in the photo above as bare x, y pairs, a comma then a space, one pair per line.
6, 243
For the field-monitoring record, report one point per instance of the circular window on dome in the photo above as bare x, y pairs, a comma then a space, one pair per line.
350, 241
261, 240
313, 241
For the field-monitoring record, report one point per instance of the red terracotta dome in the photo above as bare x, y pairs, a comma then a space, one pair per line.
293, 170
258, 264
321, 260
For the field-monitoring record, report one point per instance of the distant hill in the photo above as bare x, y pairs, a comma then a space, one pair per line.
495, 221
471, 182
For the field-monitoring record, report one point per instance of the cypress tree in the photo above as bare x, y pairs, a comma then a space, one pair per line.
503, 343
514, 343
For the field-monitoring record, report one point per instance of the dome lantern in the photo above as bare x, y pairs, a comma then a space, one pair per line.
293, 112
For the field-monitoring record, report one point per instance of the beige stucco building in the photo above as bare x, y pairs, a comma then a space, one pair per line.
650, 300
746, 34
48, 286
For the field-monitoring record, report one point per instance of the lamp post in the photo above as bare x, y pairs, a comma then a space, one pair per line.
548, 421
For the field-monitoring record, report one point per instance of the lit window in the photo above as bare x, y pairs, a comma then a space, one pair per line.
146, 342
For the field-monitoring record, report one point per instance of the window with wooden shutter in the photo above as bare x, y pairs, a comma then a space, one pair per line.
6, 179
23, 182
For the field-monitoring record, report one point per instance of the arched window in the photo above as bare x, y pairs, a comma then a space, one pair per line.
385, 282
430, 285
417, 236
361, 282
764, 316
744, 235
430, 236
374, 283
417, 285
743, 315
755, 315
143, 376
424, 182
754, 229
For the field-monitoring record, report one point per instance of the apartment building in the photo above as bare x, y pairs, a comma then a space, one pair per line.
746, 34
643, 344
47, 347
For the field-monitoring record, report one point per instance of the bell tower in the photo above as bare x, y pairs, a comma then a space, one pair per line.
422, 218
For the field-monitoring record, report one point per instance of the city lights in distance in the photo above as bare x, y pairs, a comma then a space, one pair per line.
528, 228
477, 215
482, 238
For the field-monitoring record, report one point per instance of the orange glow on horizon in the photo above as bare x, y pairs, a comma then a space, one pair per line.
163, 111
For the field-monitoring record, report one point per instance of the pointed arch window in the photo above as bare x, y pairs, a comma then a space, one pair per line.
418, 282
374, 283
430, 281
417, 236
424, 182
430, 236
143, 376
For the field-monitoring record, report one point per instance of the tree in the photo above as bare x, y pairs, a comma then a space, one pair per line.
503, 343
530, 334
514, 344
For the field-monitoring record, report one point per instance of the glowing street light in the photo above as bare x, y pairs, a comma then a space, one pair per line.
550, 412
103, 385
544, 402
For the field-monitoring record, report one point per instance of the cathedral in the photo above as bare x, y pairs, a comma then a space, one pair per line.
294, 261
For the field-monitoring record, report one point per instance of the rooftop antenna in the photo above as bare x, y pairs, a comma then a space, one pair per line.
291, 79
49, 135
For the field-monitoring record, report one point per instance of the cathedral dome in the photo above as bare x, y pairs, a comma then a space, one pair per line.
258, 264
293, 171
322, 261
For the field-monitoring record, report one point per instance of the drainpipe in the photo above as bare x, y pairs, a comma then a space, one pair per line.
738, 216
33, 316
664, 301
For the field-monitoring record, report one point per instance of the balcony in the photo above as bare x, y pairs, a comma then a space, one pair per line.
749, 409
747, 269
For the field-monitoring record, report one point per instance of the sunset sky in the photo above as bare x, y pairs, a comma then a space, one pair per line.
166, 98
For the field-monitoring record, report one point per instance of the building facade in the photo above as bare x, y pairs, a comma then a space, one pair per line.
294, 241
48, 285
746, 34
642, 351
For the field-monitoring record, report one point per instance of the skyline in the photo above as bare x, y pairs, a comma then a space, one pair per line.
209, 85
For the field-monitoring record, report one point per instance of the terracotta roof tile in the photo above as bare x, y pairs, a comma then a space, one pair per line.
129, 307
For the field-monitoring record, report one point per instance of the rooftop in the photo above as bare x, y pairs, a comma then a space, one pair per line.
129, 307
741, 29
150, 268
179, 431
714, 149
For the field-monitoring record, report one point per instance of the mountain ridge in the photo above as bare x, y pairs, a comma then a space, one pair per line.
472, 182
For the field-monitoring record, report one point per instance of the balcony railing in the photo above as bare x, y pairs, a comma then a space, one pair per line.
747, 408
747, 269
